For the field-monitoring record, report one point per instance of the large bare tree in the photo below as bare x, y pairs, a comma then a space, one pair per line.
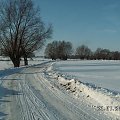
21, 29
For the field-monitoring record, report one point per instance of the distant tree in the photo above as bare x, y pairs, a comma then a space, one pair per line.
83, 52
97, 53
64, 50
102, 54
58, 49
105, 54
51, 50
115, 55
21, 29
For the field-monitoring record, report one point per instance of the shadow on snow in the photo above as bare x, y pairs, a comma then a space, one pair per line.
2, 115
9, 71
5, 92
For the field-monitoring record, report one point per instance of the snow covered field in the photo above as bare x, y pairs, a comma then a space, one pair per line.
105, 74
45, 90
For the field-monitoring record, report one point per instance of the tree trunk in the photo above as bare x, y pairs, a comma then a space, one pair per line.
25, 60
16, 62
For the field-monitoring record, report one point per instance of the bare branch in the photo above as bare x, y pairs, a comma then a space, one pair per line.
21, 28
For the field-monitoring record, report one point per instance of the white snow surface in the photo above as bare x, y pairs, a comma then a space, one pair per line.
99, 80
105, 74
39, 92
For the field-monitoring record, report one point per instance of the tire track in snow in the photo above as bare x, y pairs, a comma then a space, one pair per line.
30, 104
40, 100
69, 105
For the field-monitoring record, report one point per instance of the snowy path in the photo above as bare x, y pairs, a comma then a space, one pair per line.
31, 94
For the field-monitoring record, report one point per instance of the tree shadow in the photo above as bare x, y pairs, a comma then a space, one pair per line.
2, 115
13, 79
10, 71
5, 92
29, 72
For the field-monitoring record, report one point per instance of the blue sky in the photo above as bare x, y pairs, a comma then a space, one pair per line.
95, 23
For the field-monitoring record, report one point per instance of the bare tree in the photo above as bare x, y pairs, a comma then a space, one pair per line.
83, 52
64, 50
21, 29
51, 50
115, 55
58, 49
102, 54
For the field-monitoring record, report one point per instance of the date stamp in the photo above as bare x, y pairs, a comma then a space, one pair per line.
107, 108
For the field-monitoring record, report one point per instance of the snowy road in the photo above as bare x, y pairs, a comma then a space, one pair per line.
33, 94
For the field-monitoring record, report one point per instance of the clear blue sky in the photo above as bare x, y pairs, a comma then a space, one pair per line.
95, 23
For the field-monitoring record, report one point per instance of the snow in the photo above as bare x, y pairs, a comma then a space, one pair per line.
107, 98
104, 74
5, 65
99, 88
45, 91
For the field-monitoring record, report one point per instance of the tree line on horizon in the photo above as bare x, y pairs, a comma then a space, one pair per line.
63, 50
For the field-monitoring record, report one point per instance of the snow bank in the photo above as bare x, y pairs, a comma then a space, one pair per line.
69, 84
105, 99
